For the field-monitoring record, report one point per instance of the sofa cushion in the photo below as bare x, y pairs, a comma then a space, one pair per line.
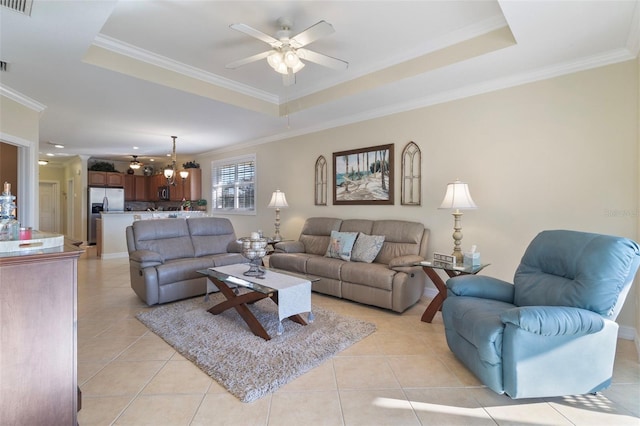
182, 269
294, 262
366, 247
370, 274
168, 237
210, 235
325, 267
341, 244
401, 238
316, 233
357, 225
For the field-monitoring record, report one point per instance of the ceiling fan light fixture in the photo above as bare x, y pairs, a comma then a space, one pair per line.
135, 164
291, 59
275, 59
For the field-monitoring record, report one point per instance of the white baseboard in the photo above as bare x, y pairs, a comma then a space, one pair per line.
120, 255
430, 292
627, 333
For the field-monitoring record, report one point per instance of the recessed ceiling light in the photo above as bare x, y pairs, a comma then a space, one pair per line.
56, 145
50, 154
135, 147
43, 162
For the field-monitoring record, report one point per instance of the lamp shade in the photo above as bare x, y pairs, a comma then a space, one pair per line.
458, 197
278, 200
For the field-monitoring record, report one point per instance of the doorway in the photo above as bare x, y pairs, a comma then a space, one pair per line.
49, 207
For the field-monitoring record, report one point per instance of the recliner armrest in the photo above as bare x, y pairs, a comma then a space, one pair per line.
481, 286
146, 256
289, 247
554, 320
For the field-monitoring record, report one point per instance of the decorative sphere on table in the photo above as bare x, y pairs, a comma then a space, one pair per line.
254, 249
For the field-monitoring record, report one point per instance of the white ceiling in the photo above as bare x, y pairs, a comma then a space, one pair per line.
112, 75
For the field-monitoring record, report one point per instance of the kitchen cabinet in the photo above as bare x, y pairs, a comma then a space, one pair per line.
112, 179
38, 362
189, 188
153, 183
140, 185
135, 188
129, 188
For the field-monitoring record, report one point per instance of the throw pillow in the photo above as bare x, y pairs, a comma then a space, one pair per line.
341, 244
366, 247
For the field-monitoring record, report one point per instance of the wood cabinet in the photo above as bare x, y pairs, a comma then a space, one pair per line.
153, 183
38, 343
190, 188
140, 185
135, 188
129, 188
112, 179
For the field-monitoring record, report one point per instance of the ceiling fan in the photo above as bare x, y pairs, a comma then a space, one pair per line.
286, 53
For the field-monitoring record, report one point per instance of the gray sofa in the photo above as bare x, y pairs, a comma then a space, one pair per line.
164, 255
388, 282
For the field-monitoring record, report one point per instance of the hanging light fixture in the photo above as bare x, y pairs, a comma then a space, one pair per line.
135, 164
284, 60
171, 172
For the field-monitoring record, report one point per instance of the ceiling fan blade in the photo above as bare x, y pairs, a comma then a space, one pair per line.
311, 34
235, 64
324, 60
243, 28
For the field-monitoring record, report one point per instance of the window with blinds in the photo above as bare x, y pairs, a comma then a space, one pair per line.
233, 185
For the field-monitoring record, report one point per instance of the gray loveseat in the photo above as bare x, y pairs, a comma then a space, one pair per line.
388, 282
164, 255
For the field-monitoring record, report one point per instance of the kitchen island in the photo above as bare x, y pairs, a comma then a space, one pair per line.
112, 238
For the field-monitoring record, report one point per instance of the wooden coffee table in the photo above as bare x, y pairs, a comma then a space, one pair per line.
228, 284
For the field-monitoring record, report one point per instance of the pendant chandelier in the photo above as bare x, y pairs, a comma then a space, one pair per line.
171, 172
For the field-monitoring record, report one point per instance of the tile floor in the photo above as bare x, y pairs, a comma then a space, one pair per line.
403, 374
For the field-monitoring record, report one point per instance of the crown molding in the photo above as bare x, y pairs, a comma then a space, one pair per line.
22, 99
122, 48
545, 73
633, 39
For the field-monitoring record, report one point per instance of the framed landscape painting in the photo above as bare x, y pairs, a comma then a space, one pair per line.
363, 176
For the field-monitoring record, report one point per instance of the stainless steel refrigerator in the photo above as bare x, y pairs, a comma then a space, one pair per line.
102, 199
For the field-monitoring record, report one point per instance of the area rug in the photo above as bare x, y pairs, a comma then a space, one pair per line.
248, 366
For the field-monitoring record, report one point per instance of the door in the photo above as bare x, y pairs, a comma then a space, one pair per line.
49, 207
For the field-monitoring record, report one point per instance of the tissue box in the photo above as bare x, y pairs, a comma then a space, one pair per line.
471, 259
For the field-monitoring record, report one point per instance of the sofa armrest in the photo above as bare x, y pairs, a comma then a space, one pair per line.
146, 256
289, 247
554, 320
408, 260
234, 246
481, 286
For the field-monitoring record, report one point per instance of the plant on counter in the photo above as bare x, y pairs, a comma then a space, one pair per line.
102, 166
190, 165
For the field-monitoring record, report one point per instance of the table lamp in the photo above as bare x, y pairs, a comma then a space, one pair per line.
457, 197
278, 201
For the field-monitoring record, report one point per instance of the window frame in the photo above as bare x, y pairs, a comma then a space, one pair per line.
235, 161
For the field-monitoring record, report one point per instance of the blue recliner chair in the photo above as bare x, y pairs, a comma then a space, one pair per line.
552, 332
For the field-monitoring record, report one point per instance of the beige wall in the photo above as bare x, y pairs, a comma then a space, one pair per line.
560, 153
19, 126
18, 120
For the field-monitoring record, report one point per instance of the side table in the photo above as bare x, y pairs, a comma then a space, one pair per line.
430, 269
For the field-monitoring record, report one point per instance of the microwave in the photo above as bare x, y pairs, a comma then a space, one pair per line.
163, 193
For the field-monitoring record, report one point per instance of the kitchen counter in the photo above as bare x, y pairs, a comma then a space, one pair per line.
114, 225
